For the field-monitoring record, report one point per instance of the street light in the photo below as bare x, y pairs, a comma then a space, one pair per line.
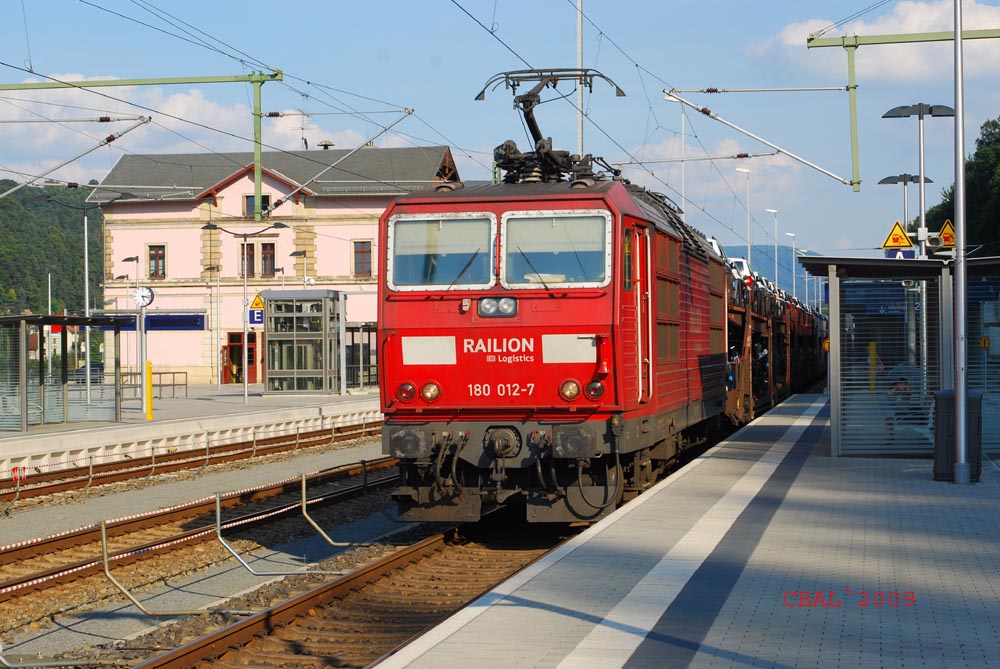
747, 172
121, 277
802, 252
907, 179
246, 303
218, 322
794, 260
86, 270
135, 259
305, 271
922, 254
281, 271
777, 283
920, 110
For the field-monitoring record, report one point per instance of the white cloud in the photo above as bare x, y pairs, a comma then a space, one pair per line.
897, 62
715, 180
59, 125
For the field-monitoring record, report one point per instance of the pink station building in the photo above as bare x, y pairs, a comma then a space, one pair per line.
156, 209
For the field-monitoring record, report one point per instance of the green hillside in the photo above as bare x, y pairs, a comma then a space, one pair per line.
41, 232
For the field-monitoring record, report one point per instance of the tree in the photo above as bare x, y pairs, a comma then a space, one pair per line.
38, 236
982, 192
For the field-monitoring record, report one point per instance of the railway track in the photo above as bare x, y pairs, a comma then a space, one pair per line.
67, 571
39, 484
360, 617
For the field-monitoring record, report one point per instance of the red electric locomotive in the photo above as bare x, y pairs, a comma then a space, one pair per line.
553, 341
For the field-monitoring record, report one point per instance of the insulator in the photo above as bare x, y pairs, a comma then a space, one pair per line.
533, 177
273, 114
104, 119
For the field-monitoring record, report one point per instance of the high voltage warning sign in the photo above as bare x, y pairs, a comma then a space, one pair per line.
897, 239
947, 235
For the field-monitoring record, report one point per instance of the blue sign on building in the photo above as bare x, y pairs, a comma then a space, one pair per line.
168, 322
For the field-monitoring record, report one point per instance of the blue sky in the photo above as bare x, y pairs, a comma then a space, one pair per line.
377, 58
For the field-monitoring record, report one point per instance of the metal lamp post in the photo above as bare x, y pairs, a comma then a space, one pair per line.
86, 269
777, 283
86, 302
120, 277
305, 269
47, 356
920, 110
135, 259
218, 322
747, 172
907, 179
802, 252
792, 235
922, 239
246, 303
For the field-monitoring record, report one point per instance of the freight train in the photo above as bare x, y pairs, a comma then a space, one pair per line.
556, 340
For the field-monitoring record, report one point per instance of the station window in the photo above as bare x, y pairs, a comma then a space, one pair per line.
248, 208
247, 262
267, 259
157, 261
363, 258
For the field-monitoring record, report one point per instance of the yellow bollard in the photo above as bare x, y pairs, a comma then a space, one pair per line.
148, 381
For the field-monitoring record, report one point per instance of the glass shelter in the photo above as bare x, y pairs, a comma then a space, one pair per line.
303, 335
892, 349
44, 376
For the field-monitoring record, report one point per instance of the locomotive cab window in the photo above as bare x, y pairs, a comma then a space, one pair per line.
555, 248
446, 252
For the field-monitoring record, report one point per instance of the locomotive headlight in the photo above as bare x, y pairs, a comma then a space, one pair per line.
406, 391
491, 307
430, 391
594, 390
488, 307
569, 390
507, 306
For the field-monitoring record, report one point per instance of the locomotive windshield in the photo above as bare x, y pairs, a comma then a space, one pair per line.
447, 252
542, 249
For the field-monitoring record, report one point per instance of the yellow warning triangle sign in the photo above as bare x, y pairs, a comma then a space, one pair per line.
947, 235
257, 303
897, 239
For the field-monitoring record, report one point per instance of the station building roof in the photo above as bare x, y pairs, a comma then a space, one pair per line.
191, 176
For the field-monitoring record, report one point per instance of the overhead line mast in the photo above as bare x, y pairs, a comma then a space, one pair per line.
257, 79
850, 43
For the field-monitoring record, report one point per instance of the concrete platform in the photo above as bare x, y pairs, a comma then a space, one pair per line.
207, 416
765, 552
